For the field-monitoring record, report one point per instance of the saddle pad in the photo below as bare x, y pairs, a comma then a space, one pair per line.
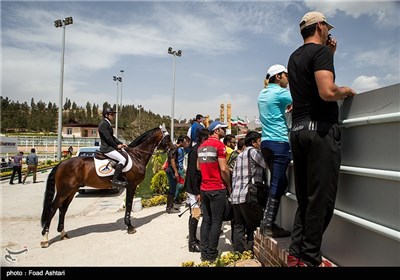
103, 170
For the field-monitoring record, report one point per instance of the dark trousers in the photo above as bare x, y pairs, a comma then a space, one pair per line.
277, 156
247, 219
212, 207
16, 169
171, 180
317, 158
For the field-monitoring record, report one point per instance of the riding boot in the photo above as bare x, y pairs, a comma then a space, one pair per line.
170, 205
115, 181
193, 241
267, 226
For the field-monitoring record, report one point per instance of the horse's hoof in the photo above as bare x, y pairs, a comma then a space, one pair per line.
65, 237
44, 244
131, 230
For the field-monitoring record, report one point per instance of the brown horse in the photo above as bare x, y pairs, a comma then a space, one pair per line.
68, 176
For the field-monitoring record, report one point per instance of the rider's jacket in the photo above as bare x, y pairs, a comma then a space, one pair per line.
108, 141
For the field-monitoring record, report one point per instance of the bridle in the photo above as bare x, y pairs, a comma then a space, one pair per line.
164, 133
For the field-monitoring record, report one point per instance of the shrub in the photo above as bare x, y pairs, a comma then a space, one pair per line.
159, 183
224, 260
155, 200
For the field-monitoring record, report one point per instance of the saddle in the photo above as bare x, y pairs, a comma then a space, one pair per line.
105, 166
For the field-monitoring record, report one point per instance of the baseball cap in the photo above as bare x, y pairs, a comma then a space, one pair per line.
314, 17
275, 69
216, 124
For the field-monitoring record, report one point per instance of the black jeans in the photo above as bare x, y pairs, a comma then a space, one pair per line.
212, 207
247, 219
316, 158
16, 169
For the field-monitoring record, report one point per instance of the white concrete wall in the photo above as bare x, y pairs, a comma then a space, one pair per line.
365, 230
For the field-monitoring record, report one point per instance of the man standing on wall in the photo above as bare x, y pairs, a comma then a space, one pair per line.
315, 137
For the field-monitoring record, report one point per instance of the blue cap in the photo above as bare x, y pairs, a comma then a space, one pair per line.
216, 124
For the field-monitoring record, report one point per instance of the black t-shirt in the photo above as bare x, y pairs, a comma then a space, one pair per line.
307, 104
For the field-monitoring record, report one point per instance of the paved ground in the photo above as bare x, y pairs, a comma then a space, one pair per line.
98, 235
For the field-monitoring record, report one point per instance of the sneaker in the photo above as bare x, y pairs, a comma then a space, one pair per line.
11, 183
325, 263
292, 261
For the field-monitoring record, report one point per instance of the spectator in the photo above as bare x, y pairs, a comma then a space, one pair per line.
32, 162
182, 163
174, 173
234, 154
70, 151
3, 162
315, 137
195, 128
249, 167
17, 167
189, 132
215, 186
230, 144
273, 101
192, 186
231, 164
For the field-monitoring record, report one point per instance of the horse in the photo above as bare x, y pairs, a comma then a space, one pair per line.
68, 176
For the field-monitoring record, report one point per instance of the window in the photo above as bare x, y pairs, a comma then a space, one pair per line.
69, 130
94, 132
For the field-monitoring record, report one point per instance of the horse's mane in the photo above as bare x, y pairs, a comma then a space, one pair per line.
142, 138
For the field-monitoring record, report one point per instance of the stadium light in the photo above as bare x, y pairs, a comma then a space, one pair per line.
61, 23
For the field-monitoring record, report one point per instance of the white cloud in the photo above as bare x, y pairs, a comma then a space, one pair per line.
226, 50
364, 83
387, 14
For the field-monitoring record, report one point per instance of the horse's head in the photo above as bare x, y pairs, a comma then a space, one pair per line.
165, 143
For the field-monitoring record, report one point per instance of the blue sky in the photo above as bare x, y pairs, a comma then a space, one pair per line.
227, 48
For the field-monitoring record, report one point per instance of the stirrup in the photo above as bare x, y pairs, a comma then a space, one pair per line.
119, 184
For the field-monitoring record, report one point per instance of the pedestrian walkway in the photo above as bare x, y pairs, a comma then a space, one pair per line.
97, 232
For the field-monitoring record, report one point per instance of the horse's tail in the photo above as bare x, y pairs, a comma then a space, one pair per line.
49, 195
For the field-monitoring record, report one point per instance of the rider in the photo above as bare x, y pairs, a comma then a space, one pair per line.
110, 145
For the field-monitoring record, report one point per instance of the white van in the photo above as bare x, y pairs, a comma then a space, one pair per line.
87, 151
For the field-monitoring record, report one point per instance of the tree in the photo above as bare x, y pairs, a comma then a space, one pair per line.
88, 110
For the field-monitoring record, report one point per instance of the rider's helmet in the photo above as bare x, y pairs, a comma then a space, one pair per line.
108, 111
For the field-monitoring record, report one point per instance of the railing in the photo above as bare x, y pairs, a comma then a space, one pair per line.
394, 234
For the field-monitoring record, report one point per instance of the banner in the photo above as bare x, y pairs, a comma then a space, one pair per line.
8, 145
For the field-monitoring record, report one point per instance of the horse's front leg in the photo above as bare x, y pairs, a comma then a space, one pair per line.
128, 209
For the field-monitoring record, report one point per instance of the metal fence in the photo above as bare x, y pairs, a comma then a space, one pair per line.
46, 146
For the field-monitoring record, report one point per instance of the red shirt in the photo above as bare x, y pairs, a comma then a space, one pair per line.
208, 154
